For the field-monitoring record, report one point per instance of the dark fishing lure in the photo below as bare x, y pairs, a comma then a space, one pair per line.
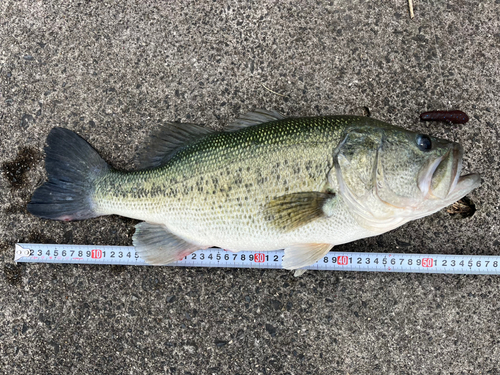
456, 117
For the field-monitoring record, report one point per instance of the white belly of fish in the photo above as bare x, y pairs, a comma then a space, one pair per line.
241, 231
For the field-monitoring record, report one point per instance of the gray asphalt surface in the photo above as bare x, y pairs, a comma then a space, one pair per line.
113, 71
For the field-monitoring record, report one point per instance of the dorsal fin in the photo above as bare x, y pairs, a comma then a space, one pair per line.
256, 117
166, 141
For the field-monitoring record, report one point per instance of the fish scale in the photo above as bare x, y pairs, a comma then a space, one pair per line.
224, 181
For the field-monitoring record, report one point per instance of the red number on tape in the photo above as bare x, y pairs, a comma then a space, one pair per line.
96, 253
259, 258
343, 260
427, 262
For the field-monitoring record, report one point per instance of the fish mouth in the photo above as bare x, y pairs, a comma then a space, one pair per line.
442, 180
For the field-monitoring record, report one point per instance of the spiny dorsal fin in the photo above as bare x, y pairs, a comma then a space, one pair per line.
256, 117
166, 141
290, 211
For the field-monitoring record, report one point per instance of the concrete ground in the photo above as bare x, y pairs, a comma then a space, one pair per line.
113, 71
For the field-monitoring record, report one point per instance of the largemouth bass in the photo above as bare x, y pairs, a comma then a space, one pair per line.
265, 183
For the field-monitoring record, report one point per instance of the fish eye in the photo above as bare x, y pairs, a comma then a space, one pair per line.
424, 142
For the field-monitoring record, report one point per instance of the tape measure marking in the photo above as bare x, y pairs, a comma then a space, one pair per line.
214, 257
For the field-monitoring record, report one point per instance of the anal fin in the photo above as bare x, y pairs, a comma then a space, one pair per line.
158, 246
303, 255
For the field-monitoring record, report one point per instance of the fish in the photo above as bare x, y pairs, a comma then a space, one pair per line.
265, 182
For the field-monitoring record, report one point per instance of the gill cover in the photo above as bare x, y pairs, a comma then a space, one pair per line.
355, 161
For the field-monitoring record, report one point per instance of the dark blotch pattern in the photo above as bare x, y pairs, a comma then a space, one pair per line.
15, 171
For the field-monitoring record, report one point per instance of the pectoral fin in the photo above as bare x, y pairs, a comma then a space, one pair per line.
158, 246
303, 255
288, 212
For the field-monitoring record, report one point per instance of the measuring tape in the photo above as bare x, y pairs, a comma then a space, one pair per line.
214, 257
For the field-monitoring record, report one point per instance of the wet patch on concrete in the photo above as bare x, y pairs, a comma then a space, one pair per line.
15, 171
13, 273
38, 237
463, 208
14, 209
4, 246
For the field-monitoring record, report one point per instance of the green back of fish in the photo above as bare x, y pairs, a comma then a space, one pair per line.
224, 172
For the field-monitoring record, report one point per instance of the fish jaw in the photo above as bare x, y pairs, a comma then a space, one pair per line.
464, 185
442, 176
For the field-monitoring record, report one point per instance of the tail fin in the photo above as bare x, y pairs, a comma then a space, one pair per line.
72, 166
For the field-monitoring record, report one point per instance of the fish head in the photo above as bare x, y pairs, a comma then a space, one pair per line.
389, 176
